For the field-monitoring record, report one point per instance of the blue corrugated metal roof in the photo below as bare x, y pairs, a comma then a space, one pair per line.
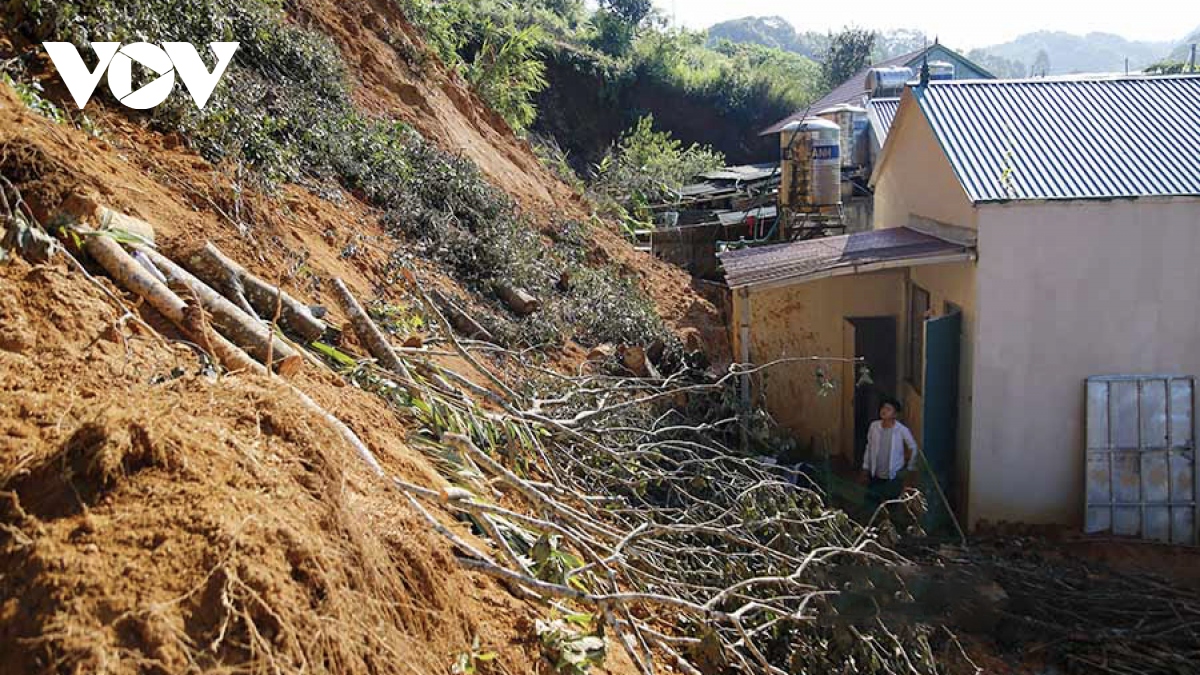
1069, 138
854, 90
881, 112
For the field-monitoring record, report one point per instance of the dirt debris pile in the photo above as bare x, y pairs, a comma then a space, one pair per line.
156, 520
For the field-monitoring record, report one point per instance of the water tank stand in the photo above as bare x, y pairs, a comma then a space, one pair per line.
813, 225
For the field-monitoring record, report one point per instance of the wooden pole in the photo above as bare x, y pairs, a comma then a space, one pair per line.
135, 278
373, 338
234, 281
246, 331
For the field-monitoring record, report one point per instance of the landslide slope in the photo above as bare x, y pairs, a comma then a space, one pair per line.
154, 519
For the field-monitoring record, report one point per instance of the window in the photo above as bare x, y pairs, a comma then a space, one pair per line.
918, 311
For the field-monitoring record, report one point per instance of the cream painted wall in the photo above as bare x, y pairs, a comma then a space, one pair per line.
1068, 290
915, 179
809, 320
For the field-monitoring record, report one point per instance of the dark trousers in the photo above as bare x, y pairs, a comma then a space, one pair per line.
880, 490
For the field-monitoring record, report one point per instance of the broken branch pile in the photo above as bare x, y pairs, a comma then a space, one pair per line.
1083, 615
640, 513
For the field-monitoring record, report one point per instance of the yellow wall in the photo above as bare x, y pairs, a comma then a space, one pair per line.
914, 178
809, 319
915, 182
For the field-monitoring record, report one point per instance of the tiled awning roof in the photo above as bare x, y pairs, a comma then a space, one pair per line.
801, 261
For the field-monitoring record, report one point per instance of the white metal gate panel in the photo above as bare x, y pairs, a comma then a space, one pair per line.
1141, 457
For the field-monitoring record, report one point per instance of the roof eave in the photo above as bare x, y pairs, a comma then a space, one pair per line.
965, 255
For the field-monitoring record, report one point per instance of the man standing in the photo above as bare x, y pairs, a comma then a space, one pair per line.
891, 453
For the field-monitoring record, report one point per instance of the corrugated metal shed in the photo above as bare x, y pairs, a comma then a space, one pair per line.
1069, 138
745, 172
846, 254
881, 112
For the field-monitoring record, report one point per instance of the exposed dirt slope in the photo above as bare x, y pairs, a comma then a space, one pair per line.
420, 91
155, 521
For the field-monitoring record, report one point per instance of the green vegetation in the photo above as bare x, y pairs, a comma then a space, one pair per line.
647, 167
848, 53
284, 111
507, 75
619, 62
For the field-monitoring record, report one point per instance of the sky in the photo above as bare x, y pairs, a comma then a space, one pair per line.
962, 24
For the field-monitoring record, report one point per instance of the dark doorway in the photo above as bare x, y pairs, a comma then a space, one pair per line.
875, 342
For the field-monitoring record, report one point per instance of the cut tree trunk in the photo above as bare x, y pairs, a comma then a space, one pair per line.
461, 321
87, 211
518, 299
188, 318
244, 330
234, 281
132, 276
373, 338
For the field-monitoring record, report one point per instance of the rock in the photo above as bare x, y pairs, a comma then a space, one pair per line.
634, 360
692, 340
602, 353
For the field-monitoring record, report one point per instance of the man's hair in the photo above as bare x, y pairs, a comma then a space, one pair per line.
888, 400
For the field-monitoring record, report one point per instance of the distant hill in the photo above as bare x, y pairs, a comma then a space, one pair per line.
769, 31
1063, 53
1048, 52
1183, 51
778, 32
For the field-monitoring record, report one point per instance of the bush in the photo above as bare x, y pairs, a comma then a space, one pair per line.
648, 166
508, 75
284, 110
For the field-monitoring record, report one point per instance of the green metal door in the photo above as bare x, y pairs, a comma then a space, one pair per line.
939, 415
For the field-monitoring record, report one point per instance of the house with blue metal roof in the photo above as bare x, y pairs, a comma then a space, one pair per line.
1034, 239
858, 90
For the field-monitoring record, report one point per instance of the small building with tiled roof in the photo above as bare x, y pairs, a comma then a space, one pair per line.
1033, 303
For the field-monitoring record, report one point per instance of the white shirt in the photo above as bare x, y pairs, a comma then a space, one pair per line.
889, 461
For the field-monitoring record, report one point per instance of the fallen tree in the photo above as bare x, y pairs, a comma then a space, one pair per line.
253, 295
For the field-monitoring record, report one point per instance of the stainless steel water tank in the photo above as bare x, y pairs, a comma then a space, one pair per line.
883, 82
941, 70
811, 165
852, 123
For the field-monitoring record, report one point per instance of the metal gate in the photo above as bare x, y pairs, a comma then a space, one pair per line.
1141, 457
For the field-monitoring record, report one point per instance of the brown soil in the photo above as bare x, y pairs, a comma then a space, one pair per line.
154, 520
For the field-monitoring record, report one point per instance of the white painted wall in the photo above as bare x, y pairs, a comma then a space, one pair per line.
1068, 290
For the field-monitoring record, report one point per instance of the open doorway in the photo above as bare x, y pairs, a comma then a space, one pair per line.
875, 343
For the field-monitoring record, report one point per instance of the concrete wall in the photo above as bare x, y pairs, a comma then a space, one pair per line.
1066, 291
915, 179
809, 320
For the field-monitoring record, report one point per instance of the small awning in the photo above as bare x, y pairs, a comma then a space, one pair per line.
803, 261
